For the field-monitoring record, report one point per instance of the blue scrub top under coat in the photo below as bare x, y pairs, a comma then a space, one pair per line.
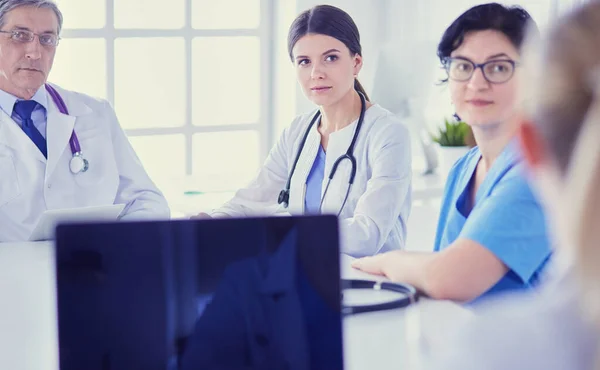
506, 217
314, 184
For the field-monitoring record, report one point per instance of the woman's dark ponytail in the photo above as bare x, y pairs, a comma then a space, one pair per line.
358, 87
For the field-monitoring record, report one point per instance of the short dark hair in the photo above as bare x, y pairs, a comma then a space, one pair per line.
513, 22
330, 21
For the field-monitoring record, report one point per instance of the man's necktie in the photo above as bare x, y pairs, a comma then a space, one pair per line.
23, 109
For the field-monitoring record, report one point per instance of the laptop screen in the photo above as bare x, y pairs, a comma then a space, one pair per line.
256, 293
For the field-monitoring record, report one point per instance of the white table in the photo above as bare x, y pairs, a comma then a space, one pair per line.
28, 331
425, 189
395, 339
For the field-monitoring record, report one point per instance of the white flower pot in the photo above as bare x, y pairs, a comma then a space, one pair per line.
448, 155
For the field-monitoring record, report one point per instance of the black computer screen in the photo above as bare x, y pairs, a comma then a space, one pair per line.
255, 293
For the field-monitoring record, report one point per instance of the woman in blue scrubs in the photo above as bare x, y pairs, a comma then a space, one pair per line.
491, 235
558, 327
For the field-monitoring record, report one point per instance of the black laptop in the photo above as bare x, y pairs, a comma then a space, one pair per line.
255, 293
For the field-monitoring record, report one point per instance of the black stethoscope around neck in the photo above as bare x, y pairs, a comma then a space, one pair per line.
284, 195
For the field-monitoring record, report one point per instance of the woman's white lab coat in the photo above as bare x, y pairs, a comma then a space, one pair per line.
31, 184
375, 215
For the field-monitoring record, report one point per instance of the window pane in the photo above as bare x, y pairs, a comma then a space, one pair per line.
156, 14
150, 82
224, 14
163, 157
225, 80
284, 100
80, 65
225, 161
83, 14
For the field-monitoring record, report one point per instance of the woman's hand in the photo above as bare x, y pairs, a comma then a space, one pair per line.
200, 215
373, 264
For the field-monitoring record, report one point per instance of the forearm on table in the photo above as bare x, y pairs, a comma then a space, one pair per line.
461, 272
413, 268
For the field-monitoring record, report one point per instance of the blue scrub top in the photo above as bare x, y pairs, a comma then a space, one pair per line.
314, 184
506, 217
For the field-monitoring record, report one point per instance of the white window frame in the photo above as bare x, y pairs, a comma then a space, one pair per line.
264, 126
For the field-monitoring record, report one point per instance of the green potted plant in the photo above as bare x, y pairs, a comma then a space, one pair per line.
453, 134
455, 139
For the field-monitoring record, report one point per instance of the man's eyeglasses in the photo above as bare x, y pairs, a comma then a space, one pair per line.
24, 36
494, 71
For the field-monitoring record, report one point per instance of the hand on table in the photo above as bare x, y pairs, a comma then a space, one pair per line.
200, 215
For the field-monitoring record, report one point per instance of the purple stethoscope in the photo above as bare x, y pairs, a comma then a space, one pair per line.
78, 163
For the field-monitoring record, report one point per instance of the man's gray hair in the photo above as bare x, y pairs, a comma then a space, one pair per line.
7, 5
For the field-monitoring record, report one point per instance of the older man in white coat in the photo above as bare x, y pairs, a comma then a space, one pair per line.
58, 149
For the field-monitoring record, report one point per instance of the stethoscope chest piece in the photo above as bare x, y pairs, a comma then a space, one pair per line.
284, 198
78, 164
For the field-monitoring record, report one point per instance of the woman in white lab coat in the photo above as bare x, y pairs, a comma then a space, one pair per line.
559, 328
43, 165
324, 45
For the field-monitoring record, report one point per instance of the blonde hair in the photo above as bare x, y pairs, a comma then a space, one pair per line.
564, 99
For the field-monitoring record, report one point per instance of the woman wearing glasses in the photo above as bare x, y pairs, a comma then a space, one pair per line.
559, 327
491, 235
